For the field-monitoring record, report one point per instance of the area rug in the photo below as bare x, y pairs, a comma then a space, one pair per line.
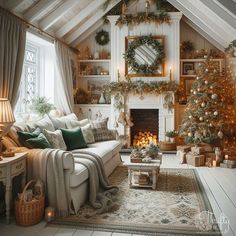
175, 208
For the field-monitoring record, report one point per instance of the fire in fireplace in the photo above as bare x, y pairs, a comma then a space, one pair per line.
145, 129
142, 139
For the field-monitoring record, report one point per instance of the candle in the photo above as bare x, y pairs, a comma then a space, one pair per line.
214, 163
170, 73
226, 157
118, 75
49, 214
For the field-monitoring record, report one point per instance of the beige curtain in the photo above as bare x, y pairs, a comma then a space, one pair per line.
12, 50
64, 98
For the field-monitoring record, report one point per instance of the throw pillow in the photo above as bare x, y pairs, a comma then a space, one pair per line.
38, 142
73, 138
55, 139
23, 136
77, 123
88, 134
45, 123
61, 122
101, 132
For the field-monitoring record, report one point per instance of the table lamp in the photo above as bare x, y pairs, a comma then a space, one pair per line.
6, 118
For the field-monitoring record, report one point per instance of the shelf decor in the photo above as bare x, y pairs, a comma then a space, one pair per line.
102, 37
151, 49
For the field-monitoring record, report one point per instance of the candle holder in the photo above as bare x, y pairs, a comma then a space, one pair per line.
49, 214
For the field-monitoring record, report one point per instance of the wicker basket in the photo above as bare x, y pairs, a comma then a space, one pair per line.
29, 213
167, 146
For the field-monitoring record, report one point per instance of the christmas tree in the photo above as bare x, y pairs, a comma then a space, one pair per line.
210, 115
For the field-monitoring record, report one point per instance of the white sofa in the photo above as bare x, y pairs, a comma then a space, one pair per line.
78, 179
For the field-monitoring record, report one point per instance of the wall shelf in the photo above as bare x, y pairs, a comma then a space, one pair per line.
94, 60
94, 76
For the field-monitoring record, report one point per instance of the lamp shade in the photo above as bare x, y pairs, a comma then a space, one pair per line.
6, 116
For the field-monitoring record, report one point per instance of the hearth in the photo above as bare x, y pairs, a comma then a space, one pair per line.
145, 129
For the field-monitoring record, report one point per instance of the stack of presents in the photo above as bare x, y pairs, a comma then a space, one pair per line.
205, 155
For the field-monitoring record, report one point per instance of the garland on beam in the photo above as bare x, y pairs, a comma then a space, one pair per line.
158, 47
142, 17
122, 88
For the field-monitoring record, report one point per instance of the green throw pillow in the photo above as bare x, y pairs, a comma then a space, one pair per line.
73, 138
38, 142
23, 136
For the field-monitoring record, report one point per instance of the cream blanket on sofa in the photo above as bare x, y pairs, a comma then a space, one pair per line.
48, 165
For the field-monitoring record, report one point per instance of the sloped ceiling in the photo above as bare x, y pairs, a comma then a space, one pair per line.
73, 20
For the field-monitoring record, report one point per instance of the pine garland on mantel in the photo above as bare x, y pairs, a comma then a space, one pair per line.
142, 17
139, 87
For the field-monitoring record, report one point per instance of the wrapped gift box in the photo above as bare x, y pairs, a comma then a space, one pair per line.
185, 148
211, 155
197, 150
207, 147
195, 160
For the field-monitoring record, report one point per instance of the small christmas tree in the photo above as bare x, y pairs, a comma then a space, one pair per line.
206, 118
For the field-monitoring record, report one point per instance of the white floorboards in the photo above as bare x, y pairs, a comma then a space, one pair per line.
219, 184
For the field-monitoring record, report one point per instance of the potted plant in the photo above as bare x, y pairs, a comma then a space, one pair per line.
41, 106
171, 135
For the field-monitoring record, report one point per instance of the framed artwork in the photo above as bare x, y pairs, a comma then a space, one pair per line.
188, 68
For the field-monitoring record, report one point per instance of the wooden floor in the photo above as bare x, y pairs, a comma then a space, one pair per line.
219, 184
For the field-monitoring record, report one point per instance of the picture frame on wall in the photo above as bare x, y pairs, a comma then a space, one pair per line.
188, 68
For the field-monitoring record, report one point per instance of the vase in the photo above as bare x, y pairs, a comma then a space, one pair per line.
172, 140
102, 99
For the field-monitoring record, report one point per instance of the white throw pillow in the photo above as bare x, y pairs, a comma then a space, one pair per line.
55, 139
88, 134
45, 123
77, 123
61, 122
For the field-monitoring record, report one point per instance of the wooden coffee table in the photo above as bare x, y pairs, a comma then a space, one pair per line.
152, 168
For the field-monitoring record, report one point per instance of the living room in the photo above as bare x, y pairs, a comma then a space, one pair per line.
117, 117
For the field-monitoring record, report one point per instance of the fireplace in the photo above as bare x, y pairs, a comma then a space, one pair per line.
145, 129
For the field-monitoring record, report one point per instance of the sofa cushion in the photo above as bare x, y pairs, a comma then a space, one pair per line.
24, 136
73, 138
38, 142
62, 122
88, 134
79, 176
77, 123
106, 150
100, 130
45, 123
55, 139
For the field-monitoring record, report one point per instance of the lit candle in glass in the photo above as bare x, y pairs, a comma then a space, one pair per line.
226, 157
49, 214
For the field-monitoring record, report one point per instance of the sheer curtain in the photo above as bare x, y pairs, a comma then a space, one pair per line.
64, 98
12, 50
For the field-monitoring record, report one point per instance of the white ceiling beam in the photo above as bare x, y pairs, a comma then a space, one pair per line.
97, 16
38, 10
57, 14
203, 33
189, 11
87, 33
93, 6
12, 4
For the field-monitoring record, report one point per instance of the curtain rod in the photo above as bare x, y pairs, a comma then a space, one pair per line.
40, 31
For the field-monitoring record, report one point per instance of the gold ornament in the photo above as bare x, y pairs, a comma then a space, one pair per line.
215, 113
211, 87
201, 118
206, 113
194, 92
196, 101
203, 104
214, 96
190, 117
190, 134
206, 82
220, 134
198, 89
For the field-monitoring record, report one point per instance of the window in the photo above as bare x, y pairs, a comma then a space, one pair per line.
38, 73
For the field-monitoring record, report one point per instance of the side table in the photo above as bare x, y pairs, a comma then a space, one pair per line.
9, 168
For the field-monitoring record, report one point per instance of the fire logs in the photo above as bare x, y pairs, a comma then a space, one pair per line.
142, 139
